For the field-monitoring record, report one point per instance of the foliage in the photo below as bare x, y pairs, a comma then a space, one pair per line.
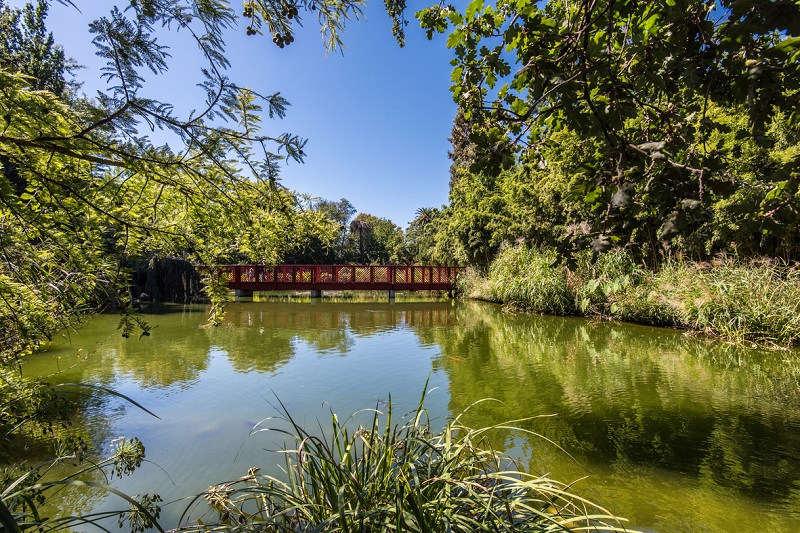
596, 284
216, 288
23, 497
527, 278
396, 476
687, 105
377, 240
755, 301
335, 217
26, 46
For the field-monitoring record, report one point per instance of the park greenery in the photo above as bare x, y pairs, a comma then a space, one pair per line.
614, 158
664, 136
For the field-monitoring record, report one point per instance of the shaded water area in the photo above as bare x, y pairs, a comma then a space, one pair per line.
675, 433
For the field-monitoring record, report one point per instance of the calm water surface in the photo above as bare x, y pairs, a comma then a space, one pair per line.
674, 433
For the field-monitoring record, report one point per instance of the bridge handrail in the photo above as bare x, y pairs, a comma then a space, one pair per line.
352, 274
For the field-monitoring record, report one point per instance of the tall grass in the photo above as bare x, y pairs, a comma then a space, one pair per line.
526, 278
755, 301
391, 476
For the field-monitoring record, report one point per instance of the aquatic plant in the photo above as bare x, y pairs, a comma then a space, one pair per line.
526, 278
393, 476
755, 301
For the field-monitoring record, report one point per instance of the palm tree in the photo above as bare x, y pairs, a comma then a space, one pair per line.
424, 216
362, 227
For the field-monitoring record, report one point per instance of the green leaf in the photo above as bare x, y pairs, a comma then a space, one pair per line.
473, 8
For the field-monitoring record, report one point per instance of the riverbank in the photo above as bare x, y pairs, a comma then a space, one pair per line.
756, 301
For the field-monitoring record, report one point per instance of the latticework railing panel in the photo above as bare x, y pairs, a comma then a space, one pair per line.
362, 274
325, 274
380, 274
402, 275
346, 274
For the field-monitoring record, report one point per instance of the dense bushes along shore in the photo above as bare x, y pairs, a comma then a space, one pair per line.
756, 301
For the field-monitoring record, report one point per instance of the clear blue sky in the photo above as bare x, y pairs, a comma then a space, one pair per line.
377, 118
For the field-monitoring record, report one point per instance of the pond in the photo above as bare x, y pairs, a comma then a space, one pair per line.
673, 432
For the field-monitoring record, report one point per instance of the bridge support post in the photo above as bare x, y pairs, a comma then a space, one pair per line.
391, 294
316, 293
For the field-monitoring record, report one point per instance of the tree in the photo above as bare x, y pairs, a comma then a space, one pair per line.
361, 226
649, 83
83, 190
26, 46
462, 153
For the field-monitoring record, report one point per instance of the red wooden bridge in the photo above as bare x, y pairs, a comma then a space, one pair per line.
338, 277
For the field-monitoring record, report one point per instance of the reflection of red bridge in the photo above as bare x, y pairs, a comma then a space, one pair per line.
338, 277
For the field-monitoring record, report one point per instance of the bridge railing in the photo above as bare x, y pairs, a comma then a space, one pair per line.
365, 277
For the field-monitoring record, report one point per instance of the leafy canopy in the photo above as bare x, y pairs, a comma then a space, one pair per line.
641, 78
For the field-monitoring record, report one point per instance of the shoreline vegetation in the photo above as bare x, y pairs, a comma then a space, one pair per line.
391, 473
755, 301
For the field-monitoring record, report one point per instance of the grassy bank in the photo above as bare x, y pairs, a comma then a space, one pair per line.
756, 301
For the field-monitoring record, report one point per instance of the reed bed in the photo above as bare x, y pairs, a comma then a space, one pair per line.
745, 301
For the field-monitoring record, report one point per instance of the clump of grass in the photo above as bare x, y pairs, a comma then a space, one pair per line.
597, 286
396, 477
528, 278
757, 301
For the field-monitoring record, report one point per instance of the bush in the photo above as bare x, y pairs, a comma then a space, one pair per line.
600, 284
757, 301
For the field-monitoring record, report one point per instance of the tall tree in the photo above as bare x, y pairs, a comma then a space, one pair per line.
653, 83
26, 46
379, 240
462, 151
363, 228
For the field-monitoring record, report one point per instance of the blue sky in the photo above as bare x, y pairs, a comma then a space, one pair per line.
377, 118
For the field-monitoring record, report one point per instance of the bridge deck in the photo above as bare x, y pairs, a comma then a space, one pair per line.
339, 277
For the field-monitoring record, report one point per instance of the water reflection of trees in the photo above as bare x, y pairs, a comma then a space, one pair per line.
175, 352
634, 395
262, 337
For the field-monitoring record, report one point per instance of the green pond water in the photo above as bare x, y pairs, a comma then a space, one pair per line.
674, 433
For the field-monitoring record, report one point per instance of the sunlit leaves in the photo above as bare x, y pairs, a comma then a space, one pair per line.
632, 75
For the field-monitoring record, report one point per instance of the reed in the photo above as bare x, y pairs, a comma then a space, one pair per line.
745, 301
527, 278
757, 301
391, 476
